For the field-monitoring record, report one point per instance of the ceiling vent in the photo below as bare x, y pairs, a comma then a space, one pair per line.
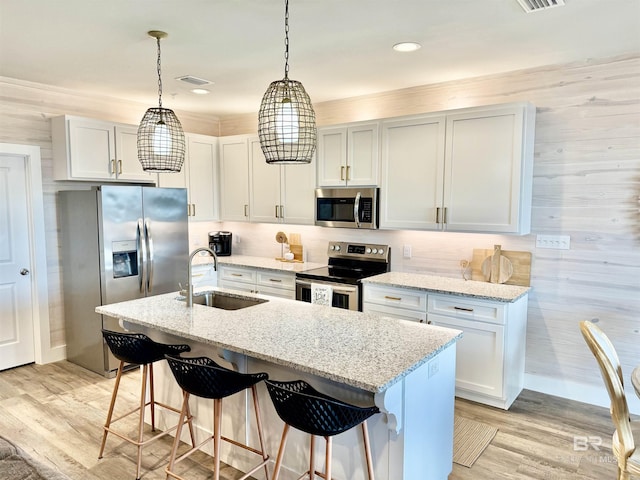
536, 5
191, 80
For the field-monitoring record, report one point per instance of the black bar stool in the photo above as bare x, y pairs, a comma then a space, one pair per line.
300, 406
204, 378
138, 349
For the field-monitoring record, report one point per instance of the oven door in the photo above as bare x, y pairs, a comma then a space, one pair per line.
344, 295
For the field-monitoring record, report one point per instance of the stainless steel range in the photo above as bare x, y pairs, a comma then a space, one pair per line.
348, 264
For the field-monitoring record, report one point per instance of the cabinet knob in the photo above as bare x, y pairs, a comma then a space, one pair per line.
24, 272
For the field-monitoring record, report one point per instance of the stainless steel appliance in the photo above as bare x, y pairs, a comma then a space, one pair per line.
348, 264
220, 242
118, 243
347, 207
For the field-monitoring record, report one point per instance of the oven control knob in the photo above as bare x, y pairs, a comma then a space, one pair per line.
337, 248
381, 252
375, 250
332, 247
368, 250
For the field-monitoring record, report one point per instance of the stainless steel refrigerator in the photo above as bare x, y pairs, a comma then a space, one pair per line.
118, 243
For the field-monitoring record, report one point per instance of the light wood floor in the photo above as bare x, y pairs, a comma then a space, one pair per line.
55, 412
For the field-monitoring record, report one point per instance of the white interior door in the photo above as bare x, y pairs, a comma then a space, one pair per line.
16, 314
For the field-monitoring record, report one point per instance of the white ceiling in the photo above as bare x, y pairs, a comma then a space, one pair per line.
338, 48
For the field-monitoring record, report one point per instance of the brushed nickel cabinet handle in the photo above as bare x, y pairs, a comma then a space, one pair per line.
348, 173
341, 173
277, 211
112, 168
444, 215
236, 274
463, 309
281, 211
194, 209
119, 167
437, 214
246, 210
275, 280
393, 298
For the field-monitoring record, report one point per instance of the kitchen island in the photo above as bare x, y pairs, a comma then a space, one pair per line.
406, 369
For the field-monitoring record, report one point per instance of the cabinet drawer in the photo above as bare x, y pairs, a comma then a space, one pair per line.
401, 313
277, 292
462, 307
236, 274
396, 297
276, 280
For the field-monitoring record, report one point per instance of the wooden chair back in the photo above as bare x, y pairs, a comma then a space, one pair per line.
611, 371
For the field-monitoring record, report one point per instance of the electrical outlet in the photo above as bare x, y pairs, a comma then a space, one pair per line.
557, 242
434, 367
406, 251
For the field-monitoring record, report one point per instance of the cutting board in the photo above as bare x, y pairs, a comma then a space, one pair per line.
520, 261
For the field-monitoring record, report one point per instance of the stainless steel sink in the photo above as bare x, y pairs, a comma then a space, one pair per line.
226, 301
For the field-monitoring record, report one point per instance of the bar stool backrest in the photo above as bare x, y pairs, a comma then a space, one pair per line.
301, 406
203, 377
138, 349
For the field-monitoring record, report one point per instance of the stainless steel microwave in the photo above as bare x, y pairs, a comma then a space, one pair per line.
347, 207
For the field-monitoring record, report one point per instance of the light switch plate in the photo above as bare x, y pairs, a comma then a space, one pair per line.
557, 242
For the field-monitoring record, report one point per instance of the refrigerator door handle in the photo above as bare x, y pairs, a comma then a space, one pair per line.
142, 255
147, 227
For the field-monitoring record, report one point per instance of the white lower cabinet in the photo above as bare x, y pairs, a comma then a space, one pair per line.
490, 355
267, 282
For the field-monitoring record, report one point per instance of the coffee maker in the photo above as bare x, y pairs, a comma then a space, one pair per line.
220, 243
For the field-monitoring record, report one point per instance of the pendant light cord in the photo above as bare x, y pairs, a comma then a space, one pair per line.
159, 76
286, 40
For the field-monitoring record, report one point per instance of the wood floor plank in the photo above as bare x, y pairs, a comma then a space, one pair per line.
55, 412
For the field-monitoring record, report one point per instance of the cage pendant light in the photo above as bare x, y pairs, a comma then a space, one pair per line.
286, 120
161, 144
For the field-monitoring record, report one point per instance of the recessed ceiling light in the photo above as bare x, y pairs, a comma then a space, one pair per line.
200, 91
406, 46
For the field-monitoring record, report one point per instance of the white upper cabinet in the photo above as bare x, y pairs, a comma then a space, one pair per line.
234, 178
488, 173
467, 171
88, 149
412, 171
348, 155
199, 175
280, 193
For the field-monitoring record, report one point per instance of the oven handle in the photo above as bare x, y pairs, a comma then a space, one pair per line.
339, 289
356, 210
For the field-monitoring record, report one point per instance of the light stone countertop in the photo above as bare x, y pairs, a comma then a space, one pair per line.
453, 286
365, 351
263, 263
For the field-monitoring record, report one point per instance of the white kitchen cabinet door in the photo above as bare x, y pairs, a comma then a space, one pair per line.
234, 178
84, 149
412, 173
348, 155
128, 167
297, 196
199, 175
332, 156
488, 174
479, 355
203, 177
264, 204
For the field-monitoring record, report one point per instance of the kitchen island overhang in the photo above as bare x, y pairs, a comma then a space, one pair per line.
407, 369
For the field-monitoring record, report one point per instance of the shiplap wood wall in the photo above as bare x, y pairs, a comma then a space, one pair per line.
586, 185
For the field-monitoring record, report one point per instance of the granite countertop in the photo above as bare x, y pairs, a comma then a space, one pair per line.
454, 286
262, 263
365, 351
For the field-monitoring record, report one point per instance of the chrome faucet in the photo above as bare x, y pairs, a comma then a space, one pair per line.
190, 280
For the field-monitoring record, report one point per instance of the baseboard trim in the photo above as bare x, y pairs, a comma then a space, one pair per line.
580, 392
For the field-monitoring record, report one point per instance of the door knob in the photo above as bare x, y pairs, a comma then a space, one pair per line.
24, 271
